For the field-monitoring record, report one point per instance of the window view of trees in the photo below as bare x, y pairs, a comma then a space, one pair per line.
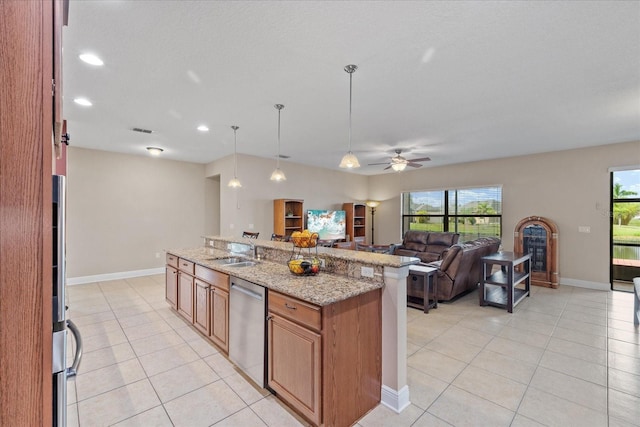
472, 212
625, 219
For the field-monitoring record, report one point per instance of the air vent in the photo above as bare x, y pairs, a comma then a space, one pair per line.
142, 130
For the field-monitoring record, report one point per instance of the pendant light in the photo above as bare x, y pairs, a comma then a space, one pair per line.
235, 182
277, 174
349, 160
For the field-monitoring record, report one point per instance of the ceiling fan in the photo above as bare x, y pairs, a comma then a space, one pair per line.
399, 163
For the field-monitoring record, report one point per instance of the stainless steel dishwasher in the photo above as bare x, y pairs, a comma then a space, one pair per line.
247, 313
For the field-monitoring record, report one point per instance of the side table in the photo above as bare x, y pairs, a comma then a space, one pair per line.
430, 282
499, 288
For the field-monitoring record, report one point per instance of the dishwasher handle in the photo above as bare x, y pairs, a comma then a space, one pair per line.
246, 291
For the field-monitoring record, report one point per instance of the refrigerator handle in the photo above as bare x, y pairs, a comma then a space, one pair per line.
73, 370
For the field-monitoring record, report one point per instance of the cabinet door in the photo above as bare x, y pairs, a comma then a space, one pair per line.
220, 318
294, 356
171, 287
201, 306
185, 295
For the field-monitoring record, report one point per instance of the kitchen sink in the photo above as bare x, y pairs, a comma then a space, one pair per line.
229, 260
234, 261
242, 264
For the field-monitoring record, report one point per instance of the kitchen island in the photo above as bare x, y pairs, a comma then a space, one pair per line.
325, 333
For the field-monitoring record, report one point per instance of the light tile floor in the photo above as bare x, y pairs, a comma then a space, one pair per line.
565, 357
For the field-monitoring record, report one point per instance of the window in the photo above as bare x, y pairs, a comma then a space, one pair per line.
472, 212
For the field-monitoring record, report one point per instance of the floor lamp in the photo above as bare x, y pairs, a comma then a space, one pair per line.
373, 204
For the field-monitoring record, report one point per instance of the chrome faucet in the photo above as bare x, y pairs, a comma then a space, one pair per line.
254, 249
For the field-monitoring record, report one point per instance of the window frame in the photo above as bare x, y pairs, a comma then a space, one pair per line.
448, 218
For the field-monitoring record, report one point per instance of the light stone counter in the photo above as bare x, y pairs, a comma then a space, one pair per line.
340, 279
322, 289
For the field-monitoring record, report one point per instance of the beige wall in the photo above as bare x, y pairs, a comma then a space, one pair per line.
253, 203
570, 187
122, 210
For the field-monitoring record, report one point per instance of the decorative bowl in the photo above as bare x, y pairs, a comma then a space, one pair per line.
304, 266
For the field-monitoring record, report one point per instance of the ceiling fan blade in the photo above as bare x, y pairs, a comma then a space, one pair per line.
376, 164
388, 167
414, 165
421, 159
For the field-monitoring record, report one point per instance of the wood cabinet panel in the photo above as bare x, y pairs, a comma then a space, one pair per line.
212, 277
186, 266
185, 295
294, 371
219, 333
356, 219
201, 306
293, 309
172, 260
171, 286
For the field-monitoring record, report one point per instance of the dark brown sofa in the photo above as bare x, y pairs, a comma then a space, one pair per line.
426, 245
459, 270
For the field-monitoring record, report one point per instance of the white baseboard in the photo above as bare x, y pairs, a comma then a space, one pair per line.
396, 400
113, 276
585, 284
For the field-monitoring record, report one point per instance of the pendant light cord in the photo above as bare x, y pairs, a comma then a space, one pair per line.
235, 151
350, 97
278, 160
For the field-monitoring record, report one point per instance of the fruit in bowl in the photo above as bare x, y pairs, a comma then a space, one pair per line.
304, 239
304, 267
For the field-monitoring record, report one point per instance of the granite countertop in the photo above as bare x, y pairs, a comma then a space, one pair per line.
371, 258
322, 289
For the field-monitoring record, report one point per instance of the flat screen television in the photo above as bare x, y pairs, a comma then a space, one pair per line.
330, 225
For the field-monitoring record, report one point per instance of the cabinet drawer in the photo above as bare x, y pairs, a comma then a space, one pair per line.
293, 309
172, 260
186, 266
213, 277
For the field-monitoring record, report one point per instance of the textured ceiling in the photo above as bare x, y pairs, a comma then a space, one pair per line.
455, 81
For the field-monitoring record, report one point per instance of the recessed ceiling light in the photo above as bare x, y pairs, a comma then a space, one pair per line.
92, 59
154, 151
203, 128
83, 101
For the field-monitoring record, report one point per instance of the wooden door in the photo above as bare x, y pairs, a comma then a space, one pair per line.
220, 318
294, 371
201, 306
171, 287
185, 295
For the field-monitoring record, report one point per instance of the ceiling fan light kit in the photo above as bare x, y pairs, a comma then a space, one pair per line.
399, 163
350, 161
277, 174
235, 182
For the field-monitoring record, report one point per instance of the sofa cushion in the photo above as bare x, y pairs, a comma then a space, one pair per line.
450, 256
427, 257
414, 236
442, 239
404, 252
414, 246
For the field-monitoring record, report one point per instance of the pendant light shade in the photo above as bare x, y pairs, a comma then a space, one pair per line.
235, 182
277, 174
349, 160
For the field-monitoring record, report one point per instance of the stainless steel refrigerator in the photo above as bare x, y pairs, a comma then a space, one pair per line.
61, 325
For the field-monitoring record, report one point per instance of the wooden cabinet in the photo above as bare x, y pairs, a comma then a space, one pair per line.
219, 309
201, 295
325, 362
171, 287
288, 216
201, 318
215, 310
356, 217
185, 289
